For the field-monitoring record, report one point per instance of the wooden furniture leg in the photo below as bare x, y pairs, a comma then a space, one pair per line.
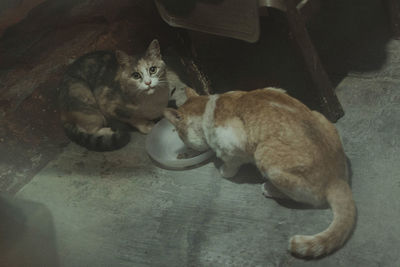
330, 104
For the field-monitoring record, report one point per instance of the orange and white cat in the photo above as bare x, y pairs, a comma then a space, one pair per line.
298, 150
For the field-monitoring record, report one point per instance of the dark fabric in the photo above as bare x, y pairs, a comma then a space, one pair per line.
230, 18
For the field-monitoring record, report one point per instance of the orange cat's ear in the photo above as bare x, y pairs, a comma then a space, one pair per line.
122, 58
190, 92
173, 115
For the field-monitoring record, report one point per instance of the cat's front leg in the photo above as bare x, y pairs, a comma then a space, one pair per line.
125, 114
270, 191
230, 167
144, 126
227, 170
124, 111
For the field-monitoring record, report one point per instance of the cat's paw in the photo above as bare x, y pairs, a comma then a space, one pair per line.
145, 128
227, 171
132, 107
270, 191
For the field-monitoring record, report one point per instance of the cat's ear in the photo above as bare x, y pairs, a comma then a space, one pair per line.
190, 92
173, 115
153, 51
122, 58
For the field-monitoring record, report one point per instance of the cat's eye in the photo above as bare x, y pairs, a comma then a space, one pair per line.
136, 75
152, 69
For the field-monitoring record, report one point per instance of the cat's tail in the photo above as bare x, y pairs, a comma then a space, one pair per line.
105, 139
340, 199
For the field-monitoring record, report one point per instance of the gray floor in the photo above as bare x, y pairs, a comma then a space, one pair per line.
118, 209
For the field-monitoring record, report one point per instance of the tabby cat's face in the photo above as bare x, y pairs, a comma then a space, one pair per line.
143, 75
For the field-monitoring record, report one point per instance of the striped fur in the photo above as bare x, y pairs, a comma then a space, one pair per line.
104, 87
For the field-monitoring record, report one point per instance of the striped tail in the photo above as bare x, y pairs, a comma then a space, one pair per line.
105, 139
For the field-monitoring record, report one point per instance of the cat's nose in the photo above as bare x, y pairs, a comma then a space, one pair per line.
147, 83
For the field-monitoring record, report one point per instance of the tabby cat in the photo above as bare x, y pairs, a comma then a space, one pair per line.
102, 92
298, 150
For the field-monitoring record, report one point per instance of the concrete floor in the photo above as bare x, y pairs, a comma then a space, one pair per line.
118, 209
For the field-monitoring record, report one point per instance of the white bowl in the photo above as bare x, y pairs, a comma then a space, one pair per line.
166, 148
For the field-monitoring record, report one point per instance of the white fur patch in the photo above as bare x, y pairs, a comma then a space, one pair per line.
105, 131
227, 141
230, 139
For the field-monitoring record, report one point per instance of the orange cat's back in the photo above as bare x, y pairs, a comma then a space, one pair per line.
271, 112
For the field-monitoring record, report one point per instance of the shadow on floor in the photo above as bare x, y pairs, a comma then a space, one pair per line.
27, 234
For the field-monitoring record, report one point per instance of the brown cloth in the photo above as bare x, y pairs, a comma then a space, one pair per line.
230, 18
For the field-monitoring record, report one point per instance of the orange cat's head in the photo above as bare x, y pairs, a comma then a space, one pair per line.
187, 120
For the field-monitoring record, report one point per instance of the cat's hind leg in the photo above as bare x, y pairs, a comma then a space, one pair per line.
82, 119
89, 129
286, 169
293, 173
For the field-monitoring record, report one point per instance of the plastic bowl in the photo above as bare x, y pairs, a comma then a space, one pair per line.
166, 148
